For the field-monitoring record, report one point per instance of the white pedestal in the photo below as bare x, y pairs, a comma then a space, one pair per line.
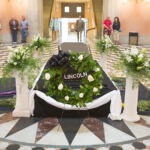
131, 100
22, 98
103, 61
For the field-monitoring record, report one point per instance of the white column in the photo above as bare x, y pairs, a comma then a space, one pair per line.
35, 17
131, 100
22, 98
111, 8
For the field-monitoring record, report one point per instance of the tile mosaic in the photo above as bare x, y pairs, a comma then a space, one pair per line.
23, 123
26, 135
25, 148
146, 118
146, 142
128, 147
103, 148
6, 127
3, 145
13, 147
116, 135
120, 125
70, 127
44, 126
86, 137
138, 130
95, 126
54, 137
139, 145
6, 118
115, 148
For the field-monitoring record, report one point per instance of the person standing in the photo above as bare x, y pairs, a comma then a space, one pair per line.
13, 24
79, 28
24, 25
54, 27
116, 28
107, 26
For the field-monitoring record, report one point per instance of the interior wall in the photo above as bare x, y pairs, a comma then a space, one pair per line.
135, 17
47, 9
7, 10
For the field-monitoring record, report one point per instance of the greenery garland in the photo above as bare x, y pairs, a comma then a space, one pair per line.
91, 84
105, 45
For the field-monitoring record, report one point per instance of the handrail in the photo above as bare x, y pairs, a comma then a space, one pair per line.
90, 29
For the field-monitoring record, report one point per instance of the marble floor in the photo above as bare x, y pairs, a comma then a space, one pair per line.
73, 133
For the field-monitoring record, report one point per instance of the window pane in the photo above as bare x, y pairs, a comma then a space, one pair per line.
79, 9
67, 9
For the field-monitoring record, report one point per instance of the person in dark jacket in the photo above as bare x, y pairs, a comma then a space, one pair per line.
13, 24
116, 28
79, 28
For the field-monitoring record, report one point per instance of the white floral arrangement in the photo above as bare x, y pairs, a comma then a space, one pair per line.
134, 63
39, 43
19, 60
105, 45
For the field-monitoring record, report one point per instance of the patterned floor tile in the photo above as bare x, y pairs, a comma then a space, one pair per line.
26, 135
54, 137
138, 130
6, 127
86, 137
116, 135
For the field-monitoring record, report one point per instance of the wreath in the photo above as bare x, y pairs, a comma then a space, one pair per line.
87, 70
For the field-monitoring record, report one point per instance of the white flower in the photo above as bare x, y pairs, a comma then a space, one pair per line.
15, 63
146, 64
18, 57
67, 98
126, 52
60, 87
80, 57
97, 70
16, 50
95, 89
81, 95
47, 76
134, 51
90, 78
129, 59
101, 87
140, 56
